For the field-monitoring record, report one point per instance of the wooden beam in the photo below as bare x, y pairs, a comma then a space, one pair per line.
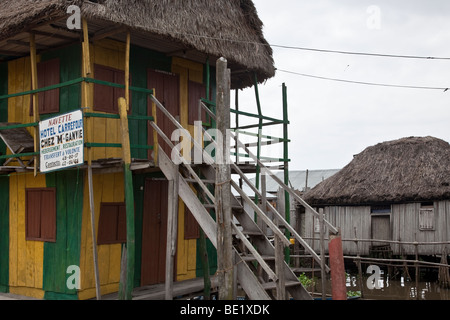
12, 53
55, 35
26, 44
107, 32
35, 98
223, 185
127, 70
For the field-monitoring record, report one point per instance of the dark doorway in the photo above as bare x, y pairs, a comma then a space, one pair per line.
154, 232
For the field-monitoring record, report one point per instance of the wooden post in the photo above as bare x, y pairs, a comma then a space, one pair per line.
358, 263
322, 254
86, 71
416, 263
338, 288
127, 70
279, 268
129, 198
172, 226
223, 185
205, 265
35, 99
287, 206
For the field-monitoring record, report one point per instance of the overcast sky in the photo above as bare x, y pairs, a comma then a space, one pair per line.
332, 121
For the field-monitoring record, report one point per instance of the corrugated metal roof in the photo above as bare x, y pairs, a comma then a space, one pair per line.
297, 179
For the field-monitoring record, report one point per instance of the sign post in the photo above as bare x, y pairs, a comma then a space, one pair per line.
61, 142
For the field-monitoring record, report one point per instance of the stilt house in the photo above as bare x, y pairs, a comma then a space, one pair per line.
397, 191
80, 228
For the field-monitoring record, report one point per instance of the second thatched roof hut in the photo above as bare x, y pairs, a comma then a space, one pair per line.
397, 190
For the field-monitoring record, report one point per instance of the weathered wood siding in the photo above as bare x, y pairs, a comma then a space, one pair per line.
404, 226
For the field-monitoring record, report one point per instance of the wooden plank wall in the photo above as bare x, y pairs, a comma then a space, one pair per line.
107, 188
404, 221
4, 190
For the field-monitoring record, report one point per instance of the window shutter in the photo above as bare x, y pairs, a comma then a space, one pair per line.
41, 214
196, 92
48, 73
48, 215
33, 215
103, 95
122, 224
112, 224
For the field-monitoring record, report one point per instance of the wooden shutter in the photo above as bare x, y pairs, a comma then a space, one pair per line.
41, 214
122, 224
191, 227
48, 73
103, 95
48, 215
106, 97
33, 214
112, 223
196, 92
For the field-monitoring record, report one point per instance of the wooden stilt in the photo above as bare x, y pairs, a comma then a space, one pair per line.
223, 185
172, 226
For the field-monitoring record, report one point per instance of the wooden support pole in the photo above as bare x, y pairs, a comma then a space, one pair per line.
287, 206
338, 288
94, 238
86, 71
127, 70
205, 265
322, 254
172, 226
129, 198
223, 185
35, 98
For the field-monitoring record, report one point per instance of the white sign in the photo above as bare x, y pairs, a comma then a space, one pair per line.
62, 142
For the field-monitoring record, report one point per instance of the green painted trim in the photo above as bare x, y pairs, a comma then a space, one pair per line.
66, 250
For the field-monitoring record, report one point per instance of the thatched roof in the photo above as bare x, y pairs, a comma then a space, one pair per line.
228, 28
406, 170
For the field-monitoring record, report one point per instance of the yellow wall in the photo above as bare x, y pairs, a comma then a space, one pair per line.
107, 188
111, 54
25, 257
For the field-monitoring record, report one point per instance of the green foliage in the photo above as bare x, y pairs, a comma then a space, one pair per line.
307, 282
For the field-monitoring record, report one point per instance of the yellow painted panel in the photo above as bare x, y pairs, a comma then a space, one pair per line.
111, 54
28, 292
26, 257
107, 188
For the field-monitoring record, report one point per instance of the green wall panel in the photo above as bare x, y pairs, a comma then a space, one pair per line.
65, 251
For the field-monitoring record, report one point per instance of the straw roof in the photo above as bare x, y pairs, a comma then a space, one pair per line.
228, 28
405, 170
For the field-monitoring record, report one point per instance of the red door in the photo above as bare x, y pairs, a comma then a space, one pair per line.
167, 87
154, 232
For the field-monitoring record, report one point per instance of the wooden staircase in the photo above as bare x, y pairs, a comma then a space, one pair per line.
258, 263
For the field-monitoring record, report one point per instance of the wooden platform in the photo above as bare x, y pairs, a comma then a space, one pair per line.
181, 289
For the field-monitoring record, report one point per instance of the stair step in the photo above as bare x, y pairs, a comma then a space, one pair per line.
211, 206
273, 285
249, 258
203, 180
250, 233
